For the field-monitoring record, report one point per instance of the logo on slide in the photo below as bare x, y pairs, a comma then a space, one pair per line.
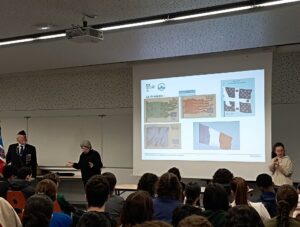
161, 86
149, 87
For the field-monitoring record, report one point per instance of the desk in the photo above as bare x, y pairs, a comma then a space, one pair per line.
121, 188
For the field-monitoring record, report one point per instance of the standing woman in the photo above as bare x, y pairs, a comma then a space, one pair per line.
281, 166
89, 163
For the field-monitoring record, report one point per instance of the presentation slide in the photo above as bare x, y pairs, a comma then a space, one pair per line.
212, 117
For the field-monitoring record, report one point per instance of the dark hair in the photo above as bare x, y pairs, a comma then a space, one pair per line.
169, 186
47, 187
287, 199
215, 197
38, 211
243, 215
155, 223
192, 192
148, 183
24, 172
97, 191
184, 211
278, 144
112, 180
93, 219
9, 171
176, 172
223, 176
195, 221
52, 176
138, 208
264, 180
240, 188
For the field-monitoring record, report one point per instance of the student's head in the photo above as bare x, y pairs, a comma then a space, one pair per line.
176, 172
138, 208
21, 137
97, 191
148, 183
93, 219
47, 187
287, 199
24, 173
243, 215
169, 186
195, 221
264, 181
10, 172
192, 193
215, 198
112, 180
38, 211
184, 211
224, 177
52, 176
279, 150
85, 146
155, 223
239, 188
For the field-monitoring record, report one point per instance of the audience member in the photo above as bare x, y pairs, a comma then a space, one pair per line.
287, 199
138, 208
192, 194
65, 206
243, 215
268, 196
184, 211
195, 221
49, 188
97, 192
94, 219
9, 173
38, 211
281, 166
8, 216
148, 183
23, 182
240, 189
216, 204
154, 223
296, 213
224, 177
168, 195
176, 171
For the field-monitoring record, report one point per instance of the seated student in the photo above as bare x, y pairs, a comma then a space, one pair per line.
23, 182
138, 208
176, 171
148, 183
224, 177
168, 195
8, 216
268, 196
184, 211
239, 188
216, 204
49, 188
38, 211
192, 194
9, 173
97, 192
155, 223
296, 213
287, 199
195, 221
243, 215
93, 219
65, 206
115, 203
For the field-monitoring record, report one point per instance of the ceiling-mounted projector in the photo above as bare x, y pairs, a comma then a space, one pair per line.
84, 34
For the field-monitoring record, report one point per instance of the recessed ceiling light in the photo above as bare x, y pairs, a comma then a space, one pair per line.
44, 27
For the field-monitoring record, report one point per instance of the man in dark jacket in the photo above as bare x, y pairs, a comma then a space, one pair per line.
22, 154
89, 163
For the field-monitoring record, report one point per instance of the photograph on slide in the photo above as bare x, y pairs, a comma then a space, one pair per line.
162, 136
217, 135
199, 106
